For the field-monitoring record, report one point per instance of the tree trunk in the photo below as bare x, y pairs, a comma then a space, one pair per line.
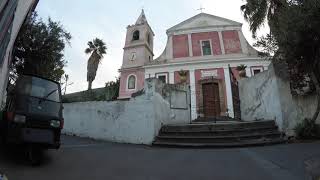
89, 85
316, 83
92, 68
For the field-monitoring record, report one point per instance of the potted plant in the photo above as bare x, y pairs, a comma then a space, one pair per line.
183, 75
242, 70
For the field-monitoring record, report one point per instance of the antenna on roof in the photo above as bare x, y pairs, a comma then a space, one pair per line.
201, 8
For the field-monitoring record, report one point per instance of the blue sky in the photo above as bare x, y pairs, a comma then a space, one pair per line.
106, 19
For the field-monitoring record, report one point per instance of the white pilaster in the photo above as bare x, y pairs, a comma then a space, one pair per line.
229, 91
169, 51
248, 72
221, 43
193, 95
190, 45
243, 42
171, 77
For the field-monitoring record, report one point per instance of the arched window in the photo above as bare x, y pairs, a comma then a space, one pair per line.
136, 35
132, 82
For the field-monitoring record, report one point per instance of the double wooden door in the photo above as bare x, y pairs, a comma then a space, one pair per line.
211, 99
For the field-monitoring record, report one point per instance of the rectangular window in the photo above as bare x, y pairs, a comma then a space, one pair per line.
206, 48
162, 77
256, 70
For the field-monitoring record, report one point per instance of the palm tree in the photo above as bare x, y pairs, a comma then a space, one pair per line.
97, 48
289, 20
256, 12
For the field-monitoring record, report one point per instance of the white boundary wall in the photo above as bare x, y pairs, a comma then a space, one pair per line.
266, 96
135, 121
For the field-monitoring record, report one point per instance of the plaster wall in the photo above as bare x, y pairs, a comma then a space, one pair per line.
266, 96
294, 108
124, 92
180, 46
142, 56
214, 39
136, 121
231, 42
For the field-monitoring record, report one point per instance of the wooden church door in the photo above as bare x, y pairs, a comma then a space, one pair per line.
211, 99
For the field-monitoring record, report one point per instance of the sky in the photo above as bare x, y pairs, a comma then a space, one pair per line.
108, 19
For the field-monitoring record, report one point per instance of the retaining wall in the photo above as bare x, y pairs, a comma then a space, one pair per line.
267, 96
136, 121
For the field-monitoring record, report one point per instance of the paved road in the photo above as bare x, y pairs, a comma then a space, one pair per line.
81, 158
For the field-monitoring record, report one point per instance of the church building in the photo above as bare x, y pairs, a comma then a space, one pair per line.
202, 51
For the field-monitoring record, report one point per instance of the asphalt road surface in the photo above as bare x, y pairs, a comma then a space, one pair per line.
81, 158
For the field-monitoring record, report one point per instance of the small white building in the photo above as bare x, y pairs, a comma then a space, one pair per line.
199, 52
12, 16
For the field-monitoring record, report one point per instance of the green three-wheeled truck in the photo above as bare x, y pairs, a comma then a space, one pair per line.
32, 117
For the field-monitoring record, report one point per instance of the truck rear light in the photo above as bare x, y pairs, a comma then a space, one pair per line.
10, 116
19, 119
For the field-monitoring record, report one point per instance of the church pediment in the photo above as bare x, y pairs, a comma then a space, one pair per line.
203, 20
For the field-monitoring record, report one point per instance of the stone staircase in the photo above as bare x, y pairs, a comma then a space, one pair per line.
220, 134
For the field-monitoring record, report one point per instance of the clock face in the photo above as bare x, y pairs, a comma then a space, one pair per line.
133, 56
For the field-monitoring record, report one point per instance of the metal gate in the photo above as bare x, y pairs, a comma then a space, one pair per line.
235, 95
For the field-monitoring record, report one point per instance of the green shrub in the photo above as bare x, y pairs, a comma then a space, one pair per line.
241, 67
307, 129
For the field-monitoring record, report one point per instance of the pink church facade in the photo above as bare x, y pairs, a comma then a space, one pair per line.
203, 47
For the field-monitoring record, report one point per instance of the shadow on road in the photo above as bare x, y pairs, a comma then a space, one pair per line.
16, 156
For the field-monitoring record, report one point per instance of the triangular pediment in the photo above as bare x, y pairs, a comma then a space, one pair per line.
203, 20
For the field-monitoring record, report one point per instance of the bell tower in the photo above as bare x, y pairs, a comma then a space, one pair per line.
138, 51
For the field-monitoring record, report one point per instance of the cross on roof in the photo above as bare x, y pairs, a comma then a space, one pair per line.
201, 8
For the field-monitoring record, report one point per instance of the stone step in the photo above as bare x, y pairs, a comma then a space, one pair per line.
217, 139
256, 142
248, 135
220, 134
239, 131
214, 119
211, 127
